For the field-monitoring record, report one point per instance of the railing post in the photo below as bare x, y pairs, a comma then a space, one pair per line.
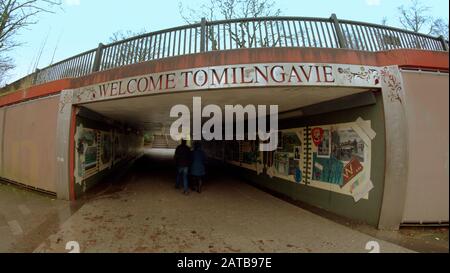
98, 58
202, 35
35, 76
444, 43
340, 35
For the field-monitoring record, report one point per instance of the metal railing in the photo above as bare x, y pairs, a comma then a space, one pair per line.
240, 33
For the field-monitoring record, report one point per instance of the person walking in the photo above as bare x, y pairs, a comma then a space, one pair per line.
198, 165
182, 160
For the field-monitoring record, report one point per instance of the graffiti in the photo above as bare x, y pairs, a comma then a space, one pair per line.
393, 84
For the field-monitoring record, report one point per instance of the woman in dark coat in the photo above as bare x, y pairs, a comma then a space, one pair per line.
198, 165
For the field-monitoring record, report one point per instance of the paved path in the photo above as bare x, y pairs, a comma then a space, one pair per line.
145, 213
27, 218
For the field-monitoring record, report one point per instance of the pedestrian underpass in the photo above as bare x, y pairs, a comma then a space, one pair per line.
109, 136
343, 130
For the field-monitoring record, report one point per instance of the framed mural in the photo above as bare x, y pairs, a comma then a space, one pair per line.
96, 151
290, 141
297, 152
86, 153
324, 147
333, 157
281, 163
250, 154
232, 151
106, 152
117, 148
341, 158
287, 163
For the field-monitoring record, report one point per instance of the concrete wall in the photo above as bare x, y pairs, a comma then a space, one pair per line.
28, 137
427, 112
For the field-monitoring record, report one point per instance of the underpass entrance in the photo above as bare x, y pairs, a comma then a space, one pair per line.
325, 152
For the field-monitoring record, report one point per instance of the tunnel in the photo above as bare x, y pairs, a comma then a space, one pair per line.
129, 137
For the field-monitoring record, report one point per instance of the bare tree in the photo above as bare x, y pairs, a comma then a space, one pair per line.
128, 52
16, 15
244, 33
416, 18
122, 35
440, 27
229, 9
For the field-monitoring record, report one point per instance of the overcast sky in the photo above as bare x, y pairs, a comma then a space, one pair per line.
82, 24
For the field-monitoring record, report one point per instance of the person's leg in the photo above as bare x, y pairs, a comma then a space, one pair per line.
178, 180
194, 183
199, 184
185, 179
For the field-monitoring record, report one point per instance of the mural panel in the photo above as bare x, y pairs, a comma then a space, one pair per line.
341, 158
333, 157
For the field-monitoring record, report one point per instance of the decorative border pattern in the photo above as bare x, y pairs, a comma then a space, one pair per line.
366, 74
393, 83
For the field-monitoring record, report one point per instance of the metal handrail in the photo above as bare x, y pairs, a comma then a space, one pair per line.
257, 32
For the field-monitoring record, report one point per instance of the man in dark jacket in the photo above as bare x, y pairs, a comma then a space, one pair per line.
182, 160
198, 165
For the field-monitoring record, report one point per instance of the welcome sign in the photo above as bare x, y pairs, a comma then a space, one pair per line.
233, 76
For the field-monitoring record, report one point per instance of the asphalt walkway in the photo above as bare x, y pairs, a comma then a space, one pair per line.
145, 213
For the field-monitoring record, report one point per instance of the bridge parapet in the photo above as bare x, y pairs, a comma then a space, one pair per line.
232, 34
